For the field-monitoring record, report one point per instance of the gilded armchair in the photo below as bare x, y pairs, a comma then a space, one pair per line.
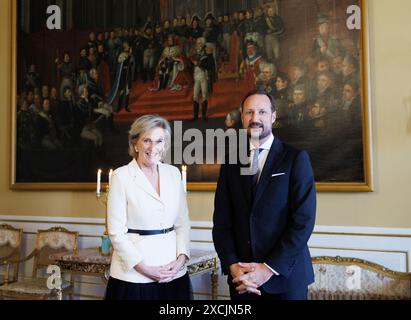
338, 278
48, 242
10, 247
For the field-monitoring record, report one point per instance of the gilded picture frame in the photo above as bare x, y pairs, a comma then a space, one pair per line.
347, 26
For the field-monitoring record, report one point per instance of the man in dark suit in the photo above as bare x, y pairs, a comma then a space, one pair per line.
263, 220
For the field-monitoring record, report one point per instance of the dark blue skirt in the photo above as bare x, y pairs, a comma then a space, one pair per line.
178, 289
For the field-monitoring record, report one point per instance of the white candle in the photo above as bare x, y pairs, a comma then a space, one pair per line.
109, 177
184, 176
98, 181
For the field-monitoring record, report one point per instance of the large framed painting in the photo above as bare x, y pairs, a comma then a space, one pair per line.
84, 70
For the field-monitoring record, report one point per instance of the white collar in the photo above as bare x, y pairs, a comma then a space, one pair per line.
266, 145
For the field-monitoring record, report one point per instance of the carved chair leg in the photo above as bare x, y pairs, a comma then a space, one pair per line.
214, 285
71, 294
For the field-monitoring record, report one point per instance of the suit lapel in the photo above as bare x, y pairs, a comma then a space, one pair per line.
164, 181
245, 180
141, 181
274, 158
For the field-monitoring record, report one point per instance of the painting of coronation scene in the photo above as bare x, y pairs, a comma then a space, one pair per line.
192, 61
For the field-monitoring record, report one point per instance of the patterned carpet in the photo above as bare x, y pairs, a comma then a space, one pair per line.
177, 105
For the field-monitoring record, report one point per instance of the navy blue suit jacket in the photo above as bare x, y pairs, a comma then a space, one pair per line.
276, 226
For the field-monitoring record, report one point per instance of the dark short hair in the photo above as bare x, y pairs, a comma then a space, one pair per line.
65, 88
323, 59
260, 92
352, 61
299, 87
235, 116
353, 84
283, 76
300, 65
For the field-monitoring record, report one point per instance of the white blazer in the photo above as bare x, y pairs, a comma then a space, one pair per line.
133, 203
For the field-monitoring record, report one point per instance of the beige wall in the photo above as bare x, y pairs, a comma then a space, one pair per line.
388, 206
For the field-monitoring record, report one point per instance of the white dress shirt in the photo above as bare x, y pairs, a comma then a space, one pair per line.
262, 158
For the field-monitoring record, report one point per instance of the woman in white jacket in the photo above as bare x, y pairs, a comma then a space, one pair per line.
148, 220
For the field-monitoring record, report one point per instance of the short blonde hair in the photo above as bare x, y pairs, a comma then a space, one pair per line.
144, 124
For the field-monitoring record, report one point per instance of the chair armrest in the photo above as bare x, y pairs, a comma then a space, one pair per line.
5, 258
11, 261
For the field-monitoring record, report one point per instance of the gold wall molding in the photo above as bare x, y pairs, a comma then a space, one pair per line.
80, 235
359, 234
54, 222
